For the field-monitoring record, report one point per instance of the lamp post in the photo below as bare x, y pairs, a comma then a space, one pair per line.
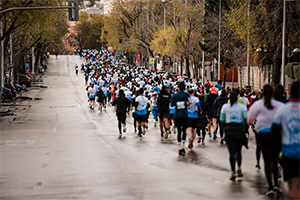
219, 43
165, 13
283, 46
150, 12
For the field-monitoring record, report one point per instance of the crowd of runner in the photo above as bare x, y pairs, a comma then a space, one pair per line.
191, 109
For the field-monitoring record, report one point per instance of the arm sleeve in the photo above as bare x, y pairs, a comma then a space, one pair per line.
199, 106
172, 101
223, 115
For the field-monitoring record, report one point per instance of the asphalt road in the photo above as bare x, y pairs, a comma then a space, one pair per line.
56, 148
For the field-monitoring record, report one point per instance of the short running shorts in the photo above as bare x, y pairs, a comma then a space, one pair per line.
192, 122
290, 168
163, 115
141, 118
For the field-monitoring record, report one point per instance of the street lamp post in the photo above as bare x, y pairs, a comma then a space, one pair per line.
165, 13
283, 46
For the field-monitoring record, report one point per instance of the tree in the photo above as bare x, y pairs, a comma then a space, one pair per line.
89, 31
30, 28
265, 26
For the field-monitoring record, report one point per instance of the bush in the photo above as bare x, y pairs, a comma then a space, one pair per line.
293, 70
297, 71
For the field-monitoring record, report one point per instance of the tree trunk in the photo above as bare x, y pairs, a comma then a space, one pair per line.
276, 71
224, 77
187, 67
181, 68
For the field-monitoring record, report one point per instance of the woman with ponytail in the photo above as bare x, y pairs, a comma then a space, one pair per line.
263, 112
235, 116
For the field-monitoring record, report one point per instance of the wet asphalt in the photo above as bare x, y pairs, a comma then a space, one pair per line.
55, 147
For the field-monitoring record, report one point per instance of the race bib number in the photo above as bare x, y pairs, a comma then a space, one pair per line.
180, 105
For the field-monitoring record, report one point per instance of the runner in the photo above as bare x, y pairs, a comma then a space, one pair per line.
263, 111
287, 120
122, 104
193, 117
212, 114
202, 123
100, 96
163, 102
234, 115
181, 101
219, 102
92, 93
154, 99
141, 106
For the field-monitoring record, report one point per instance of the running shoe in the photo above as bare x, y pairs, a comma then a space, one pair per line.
141, 137
124, 129
199, 140
269, 193
203, 143
183, 151
191, 144
167, 134
232, 177
215, 135
174, 131
120, 135
239, 173
155, 123
277, 189
222, 141
144, 132
257, 167
180, 151
209, 134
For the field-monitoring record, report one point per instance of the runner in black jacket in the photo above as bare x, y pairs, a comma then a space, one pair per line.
122, 105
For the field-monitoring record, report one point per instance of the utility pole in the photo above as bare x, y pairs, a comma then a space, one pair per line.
283, 47
219, 44
248, 46
11, 58
203, 62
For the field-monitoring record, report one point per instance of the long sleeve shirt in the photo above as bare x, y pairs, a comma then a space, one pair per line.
263, 115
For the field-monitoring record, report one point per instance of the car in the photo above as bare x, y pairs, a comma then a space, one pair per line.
6, 94
12, 88
24, 81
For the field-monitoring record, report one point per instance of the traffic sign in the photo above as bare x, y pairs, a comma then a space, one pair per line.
152, 61
207, 63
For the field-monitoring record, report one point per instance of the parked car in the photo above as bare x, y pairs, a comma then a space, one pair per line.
12, 88
6, 94
24, 81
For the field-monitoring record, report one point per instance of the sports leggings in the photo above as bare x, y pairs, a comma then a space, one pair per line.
181, 125
270, 155
203, 132
258, 149
234, 141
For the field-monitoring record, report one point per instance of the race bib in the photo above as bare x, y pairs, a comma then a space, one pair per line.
180, 105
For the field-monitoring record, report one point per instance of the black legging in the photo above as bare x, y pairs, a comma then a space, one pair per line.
221, 125
270, 155
181, 125
121, 120
203, 132
258, 149
234, 141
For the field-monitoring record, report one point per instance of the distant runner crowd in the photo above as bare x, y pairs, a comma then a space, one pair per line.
192, 109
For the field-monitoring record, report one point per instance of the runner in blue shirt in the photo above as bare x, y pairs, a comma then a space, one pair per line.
181, 101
